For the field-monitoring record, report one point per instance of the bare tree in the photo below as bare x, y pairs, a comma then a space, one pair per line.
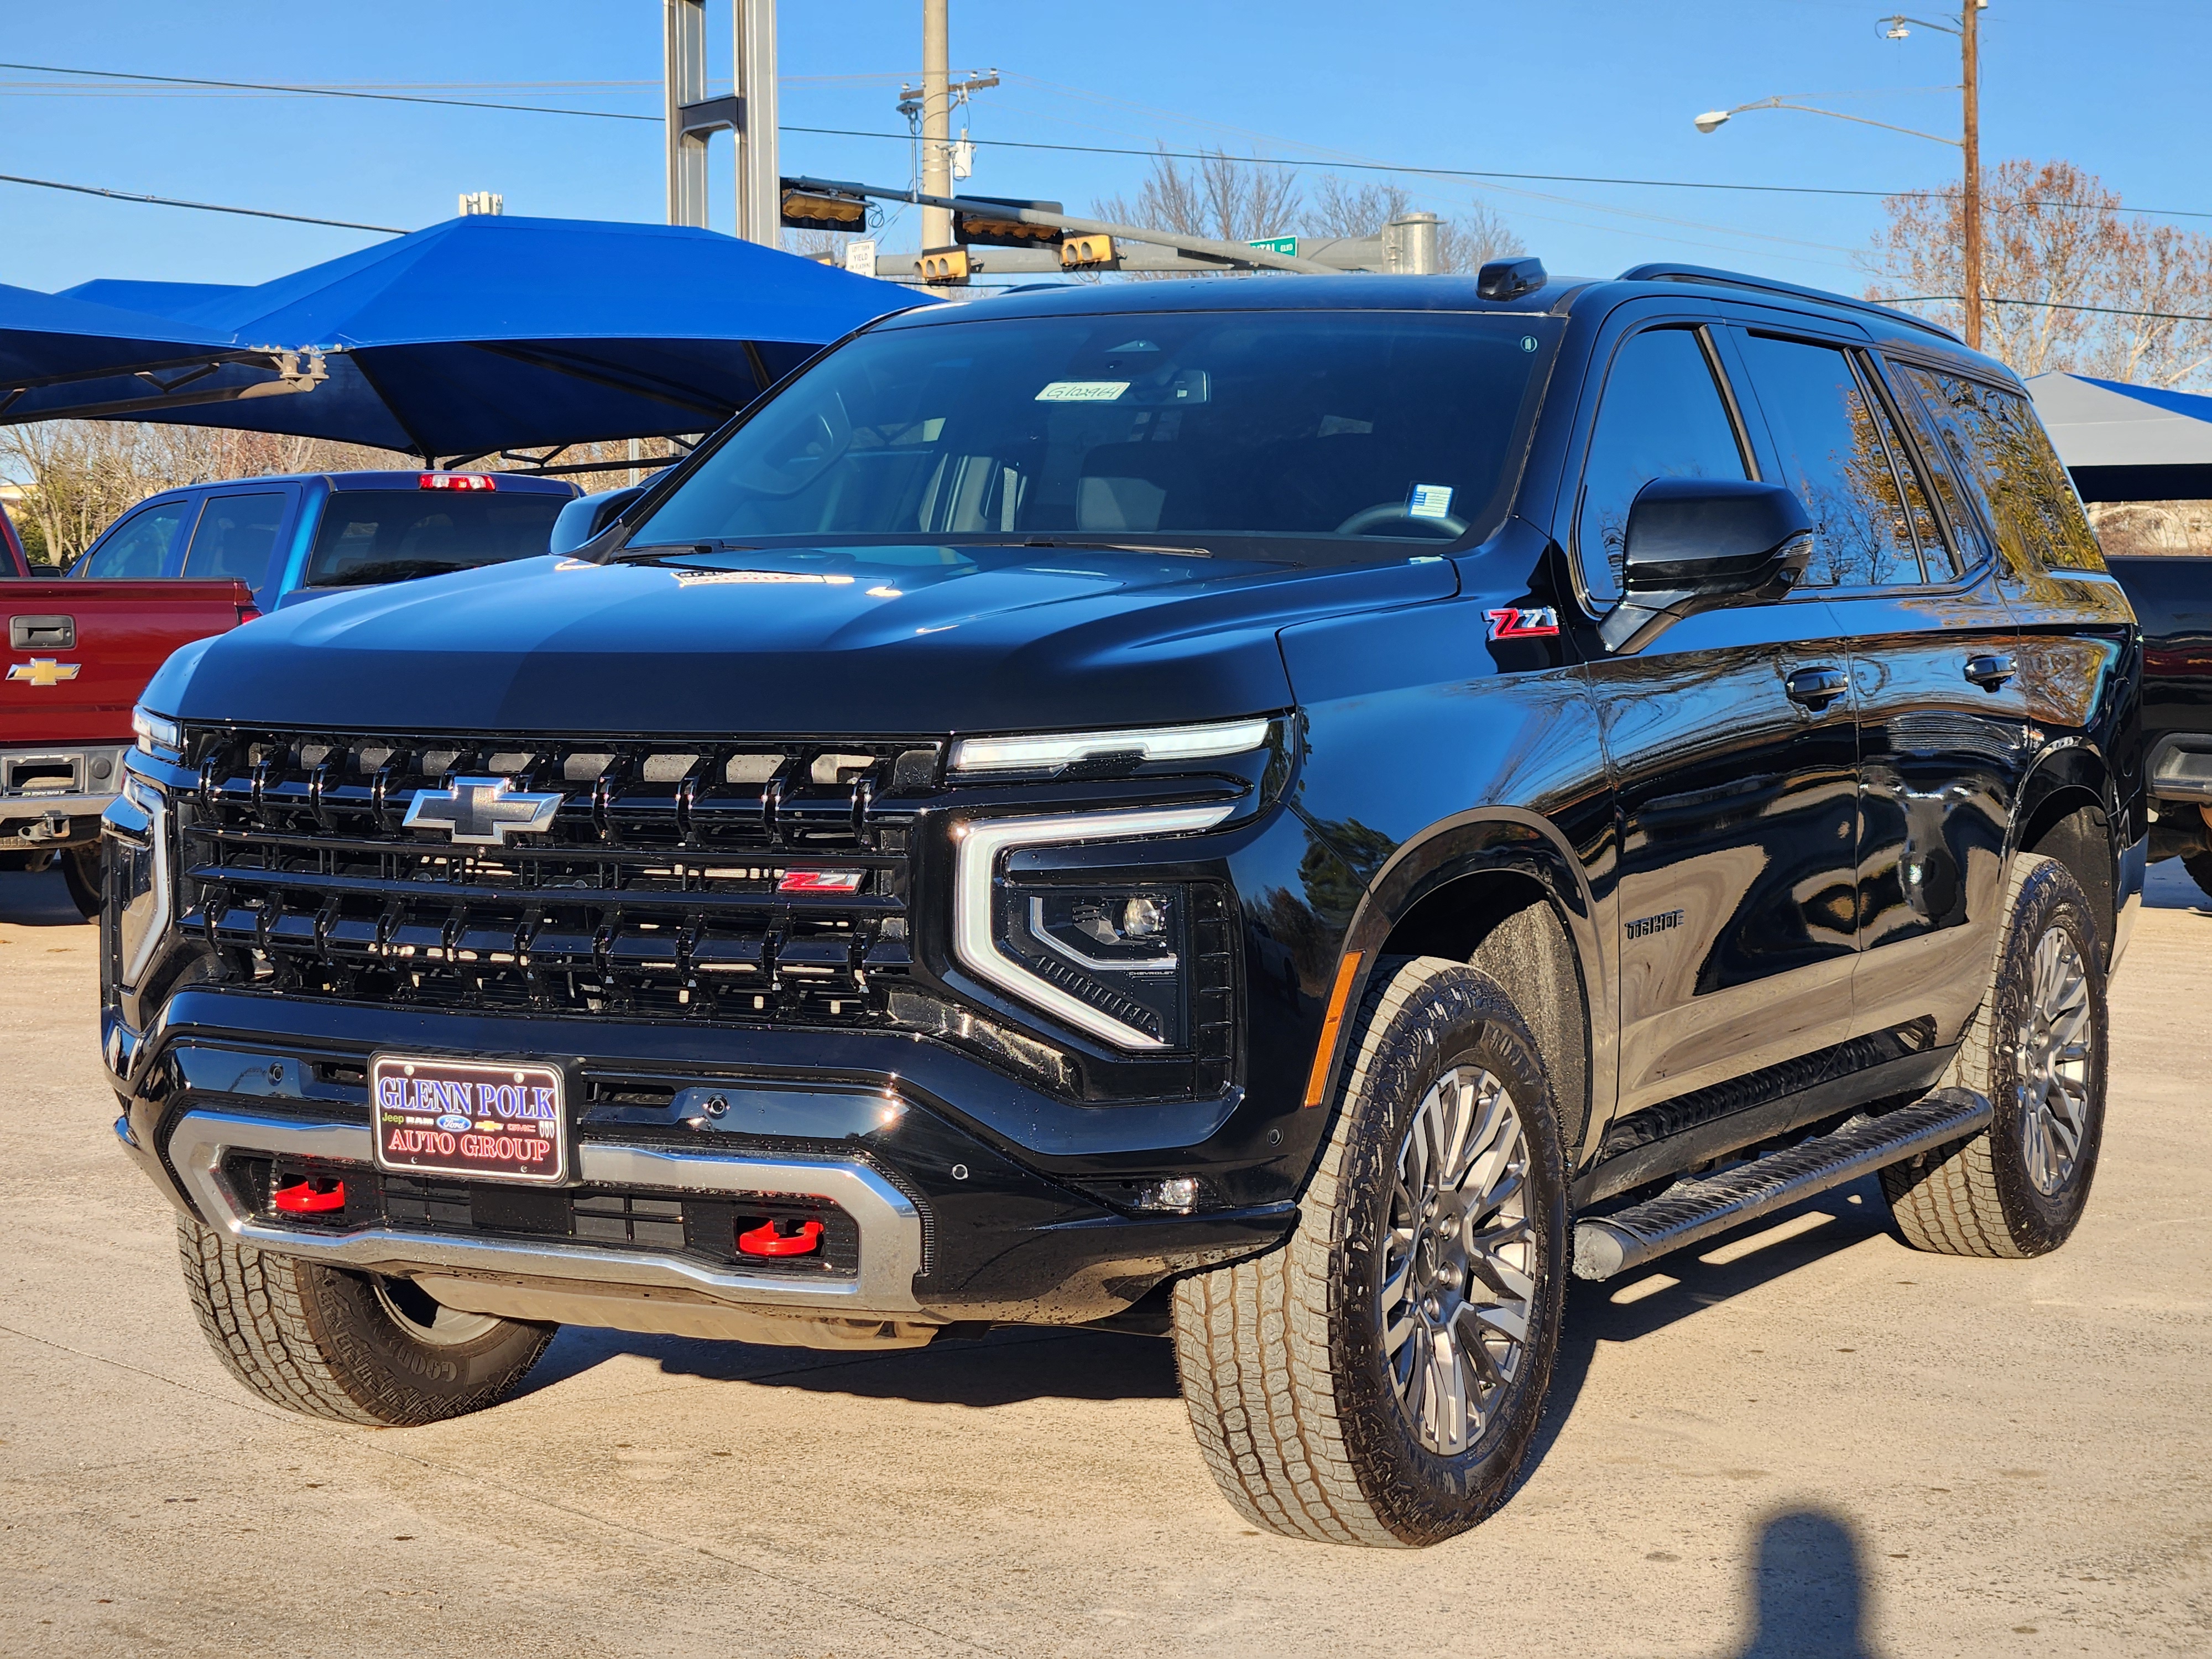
1466, 240
1227, 199
1234, 200
2054, 237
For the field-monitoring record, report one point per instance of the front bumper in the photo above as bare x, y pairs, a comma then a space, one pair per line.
969, 1204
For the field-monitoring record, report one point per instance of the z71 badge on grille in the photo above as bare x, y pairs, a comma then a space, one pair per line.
480, 812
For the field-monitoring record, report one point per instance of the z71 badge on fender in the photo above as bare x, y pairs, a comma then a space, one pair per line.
1515, 624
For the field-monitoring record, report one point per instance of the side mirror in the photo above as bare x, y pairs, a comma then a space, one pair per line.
583, 519
1700, 544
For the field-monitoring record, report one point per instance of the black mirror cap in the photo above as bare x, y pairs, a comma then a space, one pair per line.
1716, 536
1509, 279
583, 519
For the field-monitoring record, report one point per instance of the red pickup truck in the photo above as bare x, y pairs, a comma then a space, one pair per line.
79, 652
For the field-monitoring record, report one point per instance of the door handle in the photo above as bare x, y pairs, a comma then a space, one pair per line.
1816, 687
1990, 670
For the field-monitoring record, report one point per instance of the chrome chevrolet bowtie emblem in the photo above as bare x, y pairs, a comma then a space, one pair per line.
481, 810
44, 670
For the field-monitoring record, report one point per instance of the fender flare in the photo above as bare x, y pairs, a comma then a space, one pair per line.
1486, 840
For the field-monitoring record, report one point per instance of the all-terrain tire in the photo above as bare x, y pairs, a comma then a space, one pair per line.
82, 875
1978, 1196
330, 1344
1285, 1361
2199, 865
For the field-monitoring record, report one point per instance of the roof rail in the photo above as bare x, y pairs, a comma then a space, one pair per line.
1673, 273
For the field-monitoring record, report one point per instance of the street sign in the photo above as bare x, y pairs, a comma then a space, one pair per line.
1286, 246
860, 256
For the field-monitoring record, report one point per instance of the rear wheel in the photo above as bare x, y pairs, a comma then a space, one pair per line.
80, 874
1379, 1379
2038, 1049
353, 1348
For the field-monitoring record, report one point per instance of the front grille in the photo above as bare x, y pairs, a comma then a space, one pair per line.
653, 892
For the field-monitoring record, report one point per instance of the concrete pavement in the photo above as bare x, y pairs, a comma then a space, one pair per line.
1805, 1439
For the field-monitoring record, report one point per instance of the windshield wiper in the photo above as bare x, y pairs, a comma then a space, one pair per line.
674, 552
1101, 547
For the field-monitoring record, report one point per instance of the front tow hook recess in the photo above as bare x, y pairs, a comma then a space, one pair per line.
303, 1198
767, 1240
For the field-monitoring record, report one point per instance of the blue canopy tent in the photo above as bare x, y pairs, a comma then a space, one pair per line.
2128, 443
489, 333
54, 347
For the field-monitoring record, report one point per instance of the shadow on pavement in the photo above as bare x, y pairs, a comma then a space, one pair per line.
2169, 886
1007, 1366
40, 901
1677, 1287
1809, 1589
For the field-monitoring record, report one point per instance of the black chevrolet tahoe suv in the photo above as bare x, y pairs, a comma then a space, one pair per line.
1292, 815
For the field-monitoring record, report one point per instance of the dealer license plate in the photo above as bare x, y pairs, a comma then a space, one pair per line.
483, 1121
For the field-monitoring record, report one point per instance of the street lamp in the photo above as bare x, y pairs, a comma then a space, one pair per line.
1969, 142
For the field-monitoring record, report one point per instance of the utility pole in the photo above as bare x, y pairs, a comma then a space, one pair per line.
1970, 86
936, 122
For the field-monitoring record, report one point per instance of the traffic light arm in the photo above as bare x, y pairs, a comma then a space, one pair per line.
1235, 254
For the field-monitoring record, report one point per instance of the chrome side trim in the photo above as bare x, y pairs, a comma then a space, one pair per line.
982, 840
891, 1227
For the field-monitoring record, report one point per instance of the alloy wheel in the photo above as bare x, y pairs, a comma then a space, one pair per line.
2052, 1058
1459, 1260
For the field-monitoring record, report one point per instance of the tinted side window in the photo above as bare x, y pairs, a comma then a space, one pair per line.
1833, 455
1969, 545
138, 548
1662, 416
2003, 455
236, 537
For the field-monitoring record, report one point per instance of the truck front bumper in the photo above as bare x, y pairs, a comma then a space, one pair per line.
977, 1199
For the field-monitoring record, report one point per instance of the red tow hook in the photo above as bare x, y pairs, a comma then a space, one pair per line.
766, 1240
304, 1198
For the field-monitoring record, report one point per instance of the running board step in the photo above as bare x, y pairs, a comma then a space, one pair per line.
1693, 1210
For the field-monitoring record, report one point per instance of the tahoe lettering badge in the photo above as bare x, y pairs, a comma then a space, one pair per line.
482, 1120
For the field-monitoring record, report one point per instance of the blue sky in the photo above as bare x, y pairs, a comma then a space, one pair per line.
1599, 87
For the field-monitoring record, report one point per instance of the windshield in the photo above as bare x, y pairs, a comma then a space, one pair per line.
392, 535
1332, 426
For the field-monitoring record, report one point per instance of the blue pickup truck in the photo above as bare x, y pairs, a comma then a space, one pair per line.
288, 536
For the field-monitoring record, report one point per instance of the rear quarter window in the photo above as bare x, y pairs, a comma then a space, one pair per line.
2002, 456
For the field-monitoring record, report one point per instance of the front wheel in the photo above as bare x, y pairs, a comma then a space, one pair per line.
2038, 1049
353, 1348
82, 874
1379, 1380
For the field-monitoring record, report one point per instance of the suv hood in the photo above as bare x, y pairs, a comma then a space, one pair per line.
861, 642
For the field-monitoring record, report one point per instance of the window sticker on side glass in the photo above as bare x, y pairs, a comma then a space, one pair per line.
1082, 391
1428, 502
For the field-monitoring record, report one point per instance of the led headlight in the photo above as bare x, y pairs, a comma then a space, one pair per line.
158, 735
1110, 959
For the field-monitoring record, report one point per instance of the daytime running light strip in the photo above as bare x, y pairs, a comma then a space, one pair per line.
1158, 742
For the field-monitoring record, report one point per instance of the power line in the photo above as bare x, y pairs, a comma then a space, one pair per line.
334, 92
204, 207
1537, 178
2051, 305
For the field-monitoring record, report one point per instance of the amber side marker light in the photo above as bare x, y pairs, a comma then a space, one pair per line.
1317, 1085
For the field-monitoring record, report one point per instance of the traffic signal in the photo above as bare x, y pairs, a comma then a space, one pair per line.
976, 224
945, 265
816, 208
1085, 250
